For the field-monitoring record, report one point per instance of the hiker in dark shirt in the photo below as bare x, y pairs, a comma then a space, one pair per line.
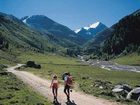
68, 83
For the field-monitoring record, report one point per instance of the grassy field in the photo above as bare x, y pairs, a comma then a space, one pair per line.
14, 92
84, 75
6, 58
131, 59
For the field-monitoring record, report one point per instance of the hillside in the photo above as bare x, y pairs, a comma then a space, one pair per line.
125, 37
97, 41
14, 33
122, 38
46, 25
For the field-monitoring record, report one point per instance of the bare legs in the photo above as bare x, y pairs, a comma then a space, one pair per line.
54, 91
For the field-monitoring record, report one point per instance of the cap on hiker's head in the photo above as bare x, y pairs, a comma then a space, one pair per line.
55, 76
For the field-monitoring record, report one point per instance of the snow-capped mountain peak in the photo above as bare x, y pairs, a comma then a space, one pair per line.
88, 32
86, 28
77, 30
94, 25
25, 18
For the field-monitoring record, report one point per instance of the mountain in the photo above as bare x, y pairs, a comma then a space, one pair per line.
125, 37
122, 38
97, 41
90, 31
46, 25
15, 34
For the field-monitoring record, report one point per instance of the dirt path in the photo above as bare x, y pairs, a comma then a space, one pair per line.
42, 86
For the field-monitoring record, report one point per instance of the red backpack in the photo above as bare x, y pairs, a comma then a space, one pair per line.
69, 80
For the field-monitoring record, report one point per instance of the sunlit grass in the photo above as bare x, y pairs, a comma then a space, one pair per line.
56, 64
131, 59
15, 92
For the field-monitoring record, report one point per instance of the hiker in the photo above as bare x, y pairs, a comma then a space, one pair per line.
54, 86
67, 85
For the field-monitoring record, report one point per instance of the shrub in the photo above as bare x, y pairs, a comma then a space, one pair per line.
38, 66
30, 64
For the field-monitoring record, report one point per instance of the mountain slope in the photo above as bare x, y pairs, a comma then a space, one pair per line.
90, 31
125, 36
14, 33
46, 25
97, 41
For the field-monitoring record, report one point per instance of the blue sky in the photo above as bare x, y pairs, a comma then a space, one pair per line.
72, 13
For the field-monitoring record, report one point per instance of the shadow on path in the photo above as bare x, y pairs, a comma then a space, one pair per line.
56, 103
71, 103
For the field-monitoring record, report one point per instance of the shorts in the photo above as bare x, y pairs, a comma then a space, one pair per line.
67, 88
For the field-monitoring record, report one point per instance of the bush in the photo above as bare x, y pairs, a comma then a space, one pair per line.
38, 66
32, 64
3, 73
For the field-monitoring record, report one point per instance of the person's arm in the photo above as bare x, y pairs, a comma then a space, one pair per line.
58, 84
51, 83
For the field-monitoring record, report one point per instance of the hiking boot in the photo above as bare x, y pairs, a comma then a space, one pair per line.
54, 100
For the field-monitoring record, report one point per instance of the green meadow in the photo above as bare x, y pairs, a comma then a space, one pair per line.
56, 64
15, 92
130, 59
84, 75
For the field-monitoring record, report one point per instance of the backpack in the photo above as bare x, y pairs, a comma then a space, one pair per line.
63, 76
69, 80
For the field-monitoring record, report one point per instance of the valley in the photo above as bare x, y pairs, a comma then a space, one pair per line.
42, 86
83, 74
99, 58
